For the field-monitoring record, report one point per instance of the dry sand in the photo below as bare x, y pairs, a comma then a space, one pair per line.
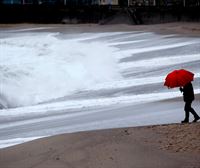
164, 146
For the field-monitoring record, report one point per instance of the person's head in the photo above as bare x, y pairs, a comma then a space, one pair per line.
187, 84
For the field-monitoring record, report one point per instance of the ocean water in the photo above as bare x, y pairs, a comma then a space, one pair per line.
38, 67
51, 72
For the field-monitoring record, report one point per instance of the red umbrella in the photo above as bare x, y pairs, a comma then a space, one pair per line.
178, 78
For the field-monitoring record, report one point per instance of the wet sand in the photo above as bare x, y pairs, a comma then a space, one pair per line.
161, 146
182, 28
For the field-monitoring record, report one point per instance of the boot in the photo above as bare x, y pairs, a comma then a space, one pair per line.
185, 121
196, 119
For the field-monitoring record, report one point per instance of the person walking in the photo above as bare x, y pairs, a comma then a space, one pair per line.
188, 97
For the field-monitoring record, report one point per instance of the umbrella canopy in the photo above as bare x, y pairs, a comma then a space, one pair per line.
178, 78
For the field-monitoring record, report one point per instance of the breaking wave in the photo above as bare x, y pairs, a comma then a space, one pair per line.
40, 67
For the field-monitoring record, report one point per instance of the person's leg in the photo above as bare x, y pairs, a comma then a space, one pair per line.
196, 116
187, 112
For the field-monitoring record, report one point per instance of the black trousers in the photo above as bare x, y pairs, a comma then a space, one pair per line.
189, 109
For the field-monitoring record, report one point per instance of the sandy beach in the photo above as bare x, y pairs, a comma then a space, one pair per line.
161, 146
155, 146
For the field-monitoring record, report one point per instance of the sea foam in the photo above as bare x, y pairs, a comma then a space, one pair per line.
40, 67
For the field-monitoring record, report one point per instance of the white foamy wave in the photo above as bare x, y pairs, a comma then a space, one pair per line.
15, 141
88, 103
133, 82
129, 52
39, 67
28, 29
162, 61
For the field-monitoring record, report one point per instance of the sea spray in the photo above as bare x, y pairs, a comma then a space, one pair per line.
40, 67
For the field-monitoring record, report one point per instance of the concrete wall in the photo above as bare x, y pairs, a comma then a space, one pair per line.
95, 14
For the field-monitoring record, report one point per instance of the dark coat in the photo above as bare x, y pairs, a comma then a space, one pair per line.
188, 92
